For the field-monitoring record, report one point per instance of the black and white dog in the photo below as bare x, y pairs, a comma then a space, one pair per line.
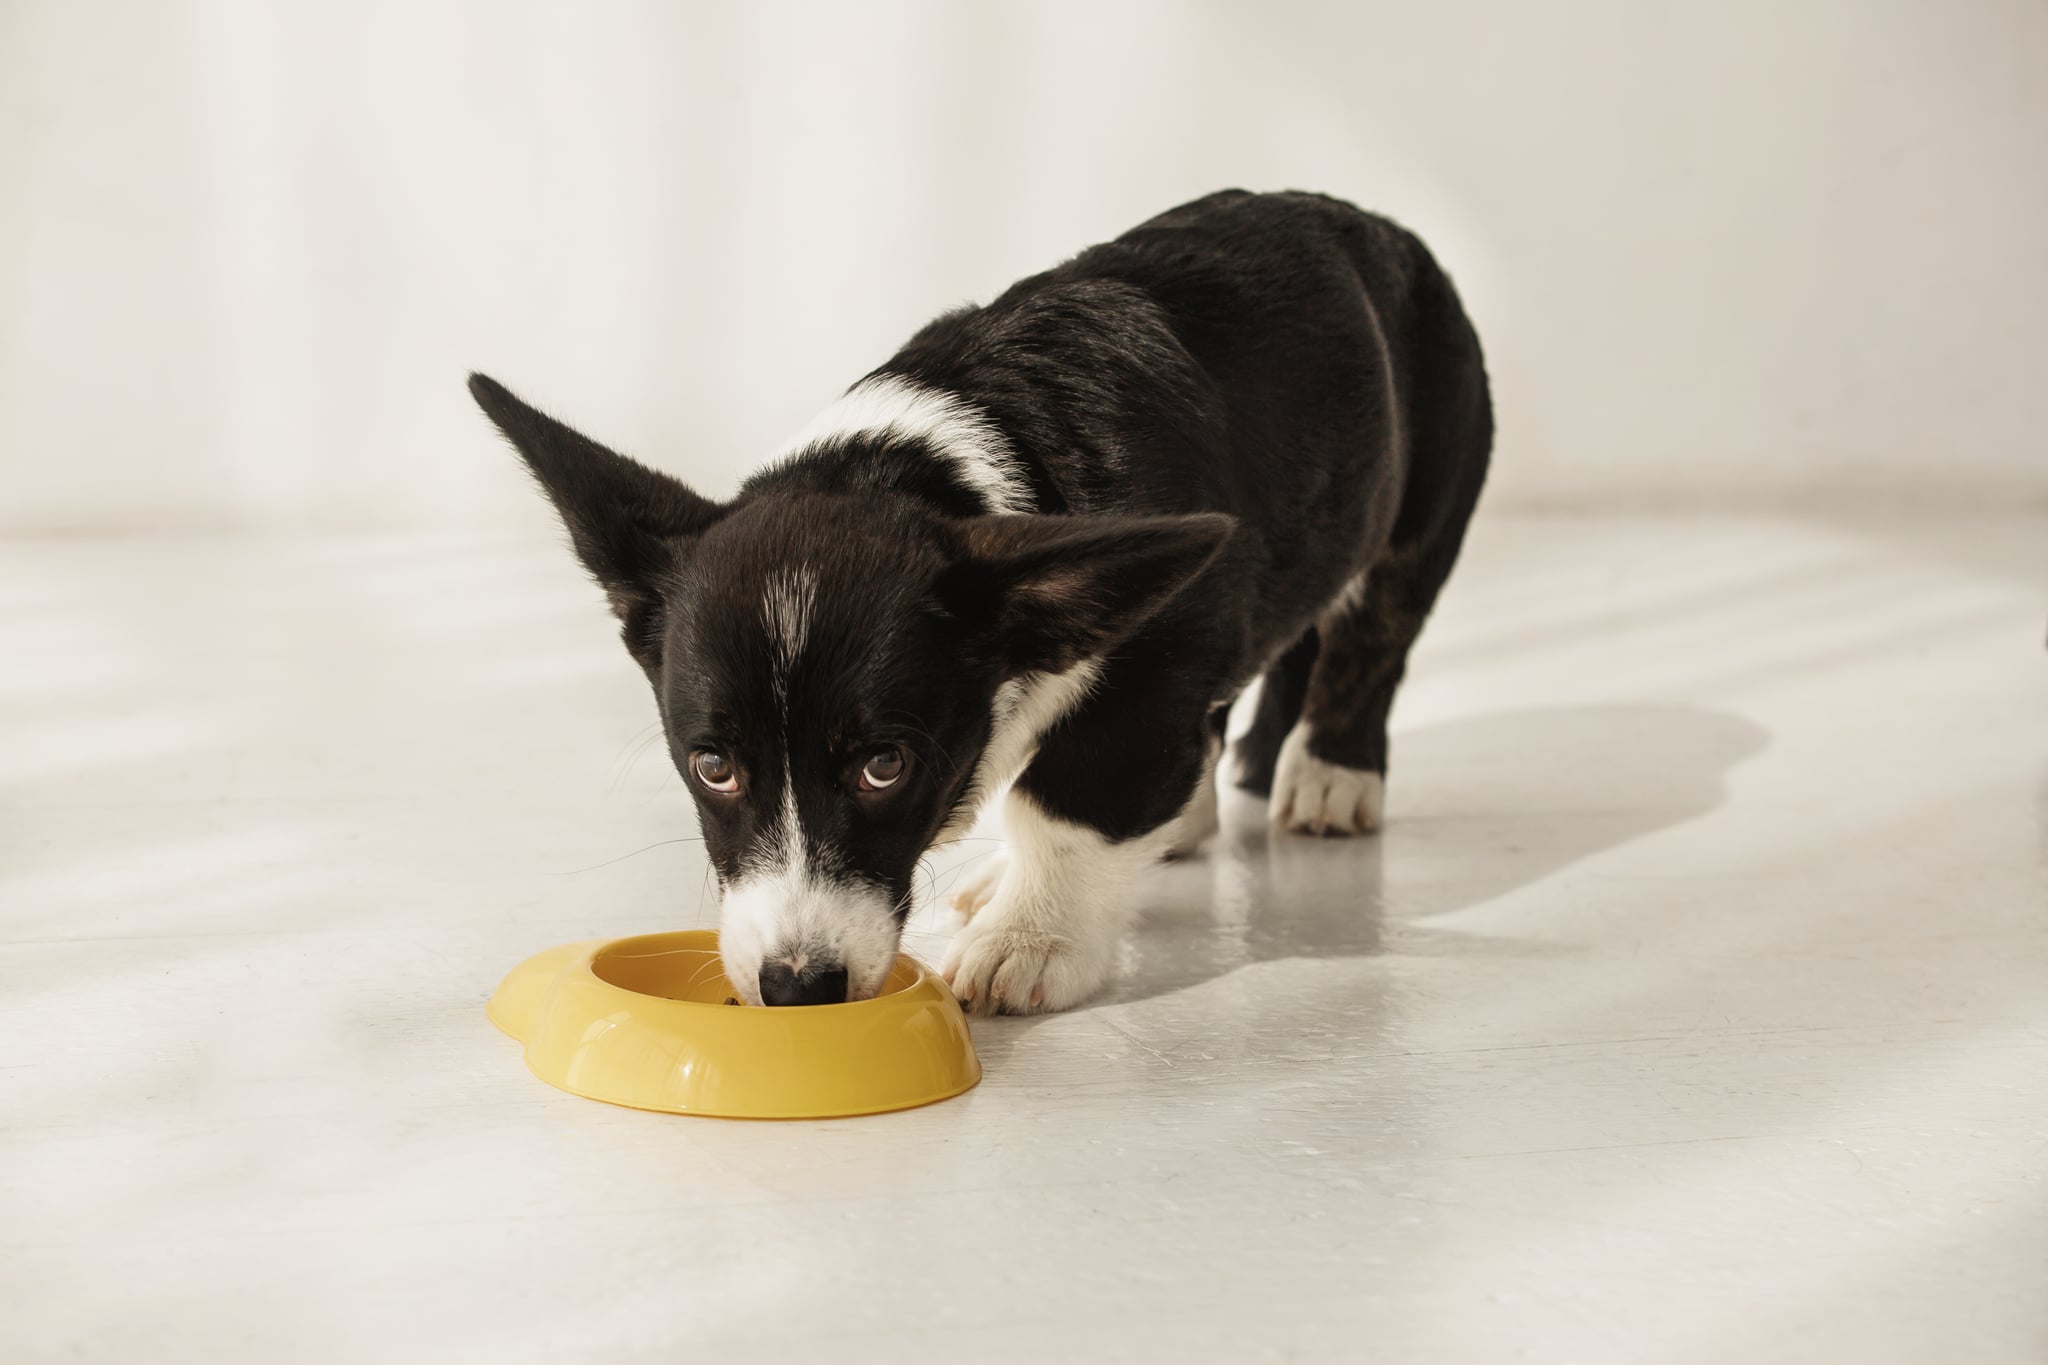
1040, 552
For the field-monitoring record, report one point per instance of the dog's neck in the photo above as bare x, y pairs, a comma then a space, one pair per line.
889, 434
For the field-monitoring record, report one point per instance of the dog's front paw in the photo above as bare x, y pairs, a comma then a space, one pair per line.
1314, 796
998, 970
978, 888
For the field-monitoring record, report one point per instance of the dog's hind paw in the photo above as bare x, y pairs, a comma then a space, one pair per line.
1314, 796
978, 888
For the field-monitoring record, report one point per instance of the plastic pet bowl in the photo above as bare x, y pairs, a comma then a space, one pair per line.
646, 1022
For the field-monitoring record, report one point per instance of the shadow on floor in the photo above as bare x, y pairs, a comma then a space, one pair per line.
1479, 807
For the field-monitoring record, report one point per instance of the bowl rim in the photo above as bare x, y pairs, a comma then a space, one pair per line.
587, 961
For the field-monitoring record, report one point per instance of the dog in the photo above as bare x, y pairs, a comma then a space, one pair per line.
1037, 555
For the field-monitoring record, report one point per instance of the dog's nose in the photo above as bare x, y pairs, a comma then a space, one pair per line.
781, 985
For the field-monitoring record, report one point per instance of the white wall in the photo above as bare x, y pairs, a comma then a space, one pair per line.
1736, 252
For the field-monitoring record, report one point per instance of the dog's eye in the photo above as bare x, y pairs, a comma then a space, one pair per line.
715, 771
882, 770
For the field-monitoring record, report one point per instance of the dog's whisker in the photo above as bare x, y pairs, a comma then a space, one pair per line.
907, 905
637, 746
687, 839
703, 890
955, 873
949, 843
705, 971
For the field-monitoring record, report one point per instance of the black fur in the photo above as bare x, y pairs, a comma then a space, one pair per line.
1224, 417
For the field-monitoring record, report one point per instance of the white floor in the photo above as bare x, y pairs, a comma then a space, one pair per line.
1693, 1007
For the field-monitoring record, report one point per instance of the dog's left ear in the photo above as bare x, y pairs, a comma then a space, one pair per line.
1050, 591
627, 522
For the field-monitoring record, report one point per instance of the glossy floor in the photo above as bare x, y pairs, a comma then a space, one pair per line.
1693, 1007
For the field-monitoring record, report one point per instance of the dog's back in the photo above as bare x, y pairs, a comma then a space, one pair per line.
1288, 359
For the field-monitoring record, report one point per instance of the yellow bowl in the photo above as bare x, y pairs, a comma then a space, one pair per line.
644, 1022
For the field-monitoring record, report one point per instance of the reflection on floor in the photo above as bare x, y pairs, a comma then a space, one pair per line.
1692, 1007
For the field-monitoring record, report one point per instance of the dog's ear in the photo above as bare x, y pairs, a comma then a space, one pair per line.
627, 522
1049, 591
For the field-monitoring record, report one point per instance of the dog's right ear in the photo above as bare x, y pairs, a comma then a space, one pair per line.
627, 522
1049, 591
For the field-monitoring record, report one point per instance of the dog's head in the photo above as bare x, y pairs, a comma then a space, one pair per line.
828, 669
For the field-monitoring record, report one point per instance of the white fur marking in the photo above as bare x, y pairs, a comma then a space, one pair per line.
959, 432
789, 831
1047, 938
1349, 598
1025, 708
1312, 796
786, 611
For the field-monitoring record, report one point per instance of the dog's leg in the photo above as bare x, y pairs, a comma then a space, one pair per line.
1047, 938
1094, 809
1331, 777
1181, 839
1281, 694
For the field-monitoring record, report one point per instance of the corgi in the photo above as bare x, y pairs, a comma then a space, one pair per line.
1035, 557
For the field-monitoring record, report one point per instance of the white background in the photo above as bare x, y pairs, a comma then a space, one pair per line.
1747, 253
1692, 1007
